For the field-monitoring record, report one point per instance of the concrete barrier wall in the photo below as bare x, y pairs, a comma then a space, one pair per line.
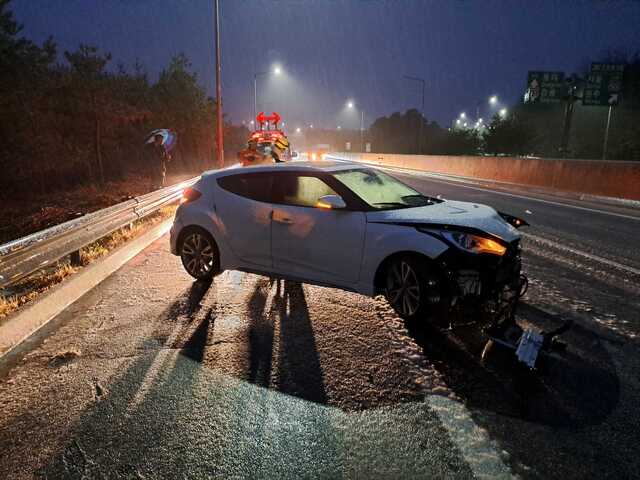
617, 179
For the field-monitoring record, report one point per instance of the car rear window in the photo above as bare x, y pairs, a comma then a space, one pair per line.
256, 186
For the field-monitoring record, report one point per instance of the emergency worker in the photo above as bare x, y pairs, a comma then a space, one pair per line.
279, 149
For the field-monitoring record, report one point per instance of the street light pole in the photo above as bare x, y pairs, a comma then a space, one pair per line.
606, 134
422, 81
362, 130
255, 92
220, 130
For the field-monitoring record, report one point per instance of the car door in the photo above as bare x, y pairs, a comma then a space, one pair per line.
313, 243
243, 207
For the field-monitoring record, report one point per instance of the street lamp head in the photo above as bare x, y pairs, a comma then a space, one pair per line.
463, 115
480, 120
311, 126
465, 124
339, 127
458, 122
493, 100
503, 112
349, 104
277, 70
298, 130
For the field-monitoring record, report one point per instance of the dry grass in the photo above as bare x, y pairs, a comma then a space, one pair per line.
30, 288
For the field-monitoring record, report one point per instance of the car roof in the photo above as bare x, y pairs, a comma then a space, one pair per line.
291, 166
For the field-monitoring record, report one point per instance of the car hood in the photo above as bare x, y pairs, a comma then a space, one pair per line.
451, 214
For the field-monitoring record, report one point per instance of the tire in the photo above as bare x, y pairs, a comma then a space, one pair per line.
199, 254
412, 288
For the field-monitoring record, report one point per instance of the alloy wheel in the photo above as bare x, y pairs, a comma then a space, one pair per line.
403, 289
198, 255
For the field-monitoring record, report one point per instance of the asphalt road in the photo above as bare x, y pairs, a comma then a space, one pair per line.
151, 375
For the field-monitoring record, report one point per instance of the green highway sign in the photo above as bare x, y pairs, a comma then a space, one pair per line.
603, 85
545, 87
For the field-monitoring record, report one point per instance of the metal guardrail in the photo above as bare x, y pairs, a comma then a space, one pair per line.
20, 258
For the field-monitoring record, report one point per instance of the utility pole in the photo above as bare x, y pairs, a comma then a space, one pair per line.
606, 133
422, 81
220, 126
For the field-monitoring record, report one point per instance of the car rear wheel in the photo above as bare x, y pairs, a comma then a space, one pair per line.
411, 288
199, 254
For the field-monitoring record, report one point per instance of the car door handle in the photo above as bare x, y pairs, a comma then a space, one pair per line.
284, 220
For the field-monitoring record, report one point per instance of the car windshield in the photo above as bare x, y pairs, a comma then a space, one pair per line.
382, 191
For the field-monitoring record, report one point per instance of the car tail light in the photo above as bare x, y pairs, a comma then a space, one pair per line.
189, 195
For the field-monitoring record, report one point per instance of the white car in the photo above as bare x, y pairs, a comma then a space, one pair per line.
346, 226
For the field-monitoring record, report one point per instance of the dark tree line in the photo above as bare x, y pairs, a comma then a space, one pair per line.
77, 118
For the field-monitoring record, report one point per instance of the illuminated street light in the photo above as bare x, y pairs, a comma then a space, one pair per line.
463, 115
479, 120
311, 126
339, 127
298, 130
276, 70
351, 106
503, 112
465, 125
458, 122
493, 100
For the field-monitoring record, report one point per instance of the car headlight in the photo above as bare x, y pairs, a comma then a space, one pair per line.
475, 243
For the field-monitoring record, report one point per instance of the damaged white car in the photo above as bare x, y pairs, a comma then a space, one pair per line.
350, 227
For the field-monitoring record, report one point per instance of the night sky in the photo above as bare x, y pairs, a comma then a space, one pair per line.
334, 50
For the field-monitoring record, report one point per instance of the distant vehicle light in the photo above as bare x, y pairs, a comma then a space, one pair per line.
189, 195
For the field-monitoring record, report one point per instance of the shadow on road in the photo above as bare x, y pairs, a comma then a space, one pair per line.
143, 403
573, 389
299, 369
260, 336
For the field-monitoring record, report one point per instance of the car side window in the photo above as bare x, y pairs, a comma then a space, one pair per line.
255, 186
300, 190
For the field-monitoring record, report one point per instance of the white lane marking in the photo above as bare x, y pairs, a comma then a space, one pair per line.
486, 189
481, 453
477, 449
580, 253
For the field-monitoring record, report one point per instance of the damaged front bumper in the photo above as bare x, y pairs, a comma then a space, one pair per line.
492, 286
483, 278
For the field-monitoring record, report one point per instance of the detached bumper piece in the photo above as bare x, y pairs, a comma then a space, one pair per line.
528, 344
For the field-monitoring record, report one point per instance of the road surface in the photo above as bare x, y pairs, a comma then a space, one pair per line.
151, 375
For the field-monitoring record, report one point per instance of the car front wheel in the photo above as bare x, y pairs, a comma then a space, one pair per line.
411, 288
199, 254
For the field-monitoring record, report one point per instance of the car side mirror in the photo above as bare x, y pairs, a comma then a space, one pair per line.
330, 202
